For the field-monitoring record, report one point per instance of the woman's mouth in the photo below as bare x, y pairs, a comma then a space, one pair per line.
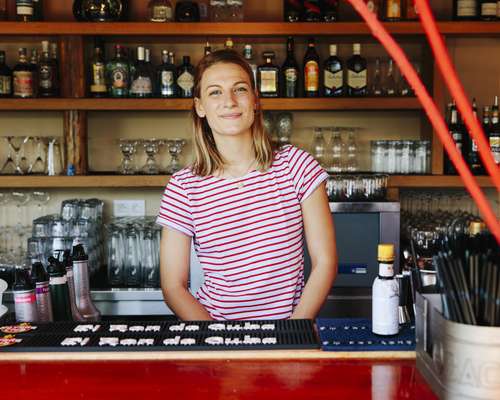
231, 116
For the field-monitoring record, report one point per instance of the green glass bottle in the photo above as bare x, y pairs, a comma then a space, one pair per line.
118, 74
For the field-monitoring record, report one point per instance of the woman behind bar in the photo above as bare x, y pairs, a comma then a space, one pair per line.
247, 207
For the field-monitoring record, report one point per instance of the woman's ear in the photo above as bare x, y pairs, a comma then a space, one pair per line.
199, 108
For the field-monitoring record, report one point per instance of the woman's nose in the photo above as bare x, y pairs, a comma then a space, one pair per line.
229, 99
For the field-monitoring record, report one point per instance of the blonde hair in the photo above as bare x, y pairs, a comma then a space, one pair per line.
207, 158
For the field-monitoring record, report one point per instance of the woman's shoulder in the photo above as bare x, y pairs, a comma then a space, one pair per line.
289, 153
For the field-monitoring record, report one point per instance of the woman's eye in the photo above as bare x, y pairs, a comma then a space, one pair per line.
214, 93
242, 89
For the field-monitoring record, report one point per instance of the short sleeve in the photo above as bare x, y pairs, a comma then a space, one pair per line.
175, 210
305, 171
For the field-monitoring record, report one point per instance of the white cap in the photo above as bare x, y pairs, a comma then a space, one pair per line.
333, 49
356, 48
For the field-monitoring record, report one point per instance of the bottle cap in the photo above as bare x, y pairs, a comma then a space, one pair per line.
38, 273
356, 48
386, 252
333, 49
476, 227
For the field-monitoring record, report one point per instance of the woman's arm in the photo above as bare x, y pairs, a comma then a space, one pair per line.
175, 252
320, 239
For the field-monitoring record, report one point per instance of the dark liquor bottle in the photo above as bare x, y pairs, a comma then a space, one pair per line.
5, 77
311, 70
393, 10
290, 72
34, 68
464, 10
374, 6
411, 11
37, 10
329, 10
494, 134
248, 55
141, 85
22, 77
312, 11
78, 10
356, 73
118, 74
3, 10
268, 77
103, 10
488, 10
46, 78
25, 10
456, 131
166, 75
187, 11
160, 11
185, 78
473, 157
98, 74
293, 10
207, 49
55, 66
333, 74
376, 88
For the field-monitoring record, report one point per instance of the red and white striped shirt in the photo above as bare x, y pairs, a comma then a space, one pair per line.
249, 239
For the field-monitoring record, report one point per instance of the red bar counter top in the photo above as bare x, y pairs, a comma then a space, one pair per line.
235, 374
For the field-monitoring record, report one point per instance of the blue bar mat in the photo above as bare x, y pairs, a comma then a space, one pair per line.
355, 334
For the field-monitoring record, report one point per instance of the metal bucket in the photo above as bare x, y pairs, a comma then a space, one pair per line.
458, 361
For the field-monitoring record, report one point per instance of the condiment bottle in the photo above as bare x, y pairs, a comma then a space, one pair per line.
59, 291
43, 302
24, 297
385, 294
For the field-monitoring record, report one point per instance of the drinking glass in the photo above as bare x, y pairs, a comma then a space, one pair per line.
175, 147
234, 10
284, 123
128, 149
54, 157
268, 121
218, 10
40, 198
351, 164
151, 147
115, 255
336, 151
9, 167
133, 268
39, 167
319, 146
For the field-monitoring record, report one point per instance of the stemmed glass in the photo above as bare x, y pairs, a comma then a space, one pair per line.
38, 167
336, 151
128, 149
9, 167
4, 234
268, 121
284, 123
20, 199
319, 146
151, 147
174, 148
41, 199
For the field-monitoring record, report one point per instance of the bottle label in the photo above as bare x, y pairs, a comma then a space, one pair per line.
23, 83
167, 78
24, 10
393, 9
489, 10
268, 82
333, 80
119, 78
5, 85
25, 297
311, 76
46, 77
356, 80
466, 8
141, 86
42, 288
474, 146
58, 280
161, 13
386, 270
98, 81
291, 75
385, 304
186, 81
495, 147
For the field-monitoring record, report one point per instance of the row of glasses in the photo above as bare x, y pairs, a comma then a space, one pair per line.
226, 10
340, 153
279, 126
34, 155
354, 187
129, 148
133, 252
401, 156
387, 80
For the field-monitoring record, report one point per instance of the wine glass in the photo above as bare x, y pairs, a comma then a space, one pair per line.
128, 149
9, 167
151, 147
175, 148
40, 198
319, 146
284, 123
20, 200
38, 167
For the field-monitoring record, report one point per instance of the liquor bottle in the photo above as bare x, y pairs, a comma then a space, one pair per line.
333, 74
488, 10
329, 10
311, 11
293, 10
373, 6
24, 297
118, 74
290, 72
187, 11
37, 10
207, 49
229, 44
98, 74
22, 77
411, 11
473, 158
166, 76
82, 288
141, 85
59, 291
311, 70
486, 121
390, 80
78, 10
24, 10
393, 10
464, 10
68, 265
385, 294
104, 10
376, 84
3, 10
46, 78
494, 134
55, 66
248, 55
34, 67
43, 302
457, 133
268, 76
5, 77
185, 78
356, 73
160, 11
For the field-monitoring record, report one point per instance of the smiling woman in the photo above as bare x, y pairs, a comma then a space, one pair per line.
247, 207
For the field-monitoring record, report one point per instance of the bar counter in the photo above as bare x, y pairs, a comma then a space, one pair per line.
277, 374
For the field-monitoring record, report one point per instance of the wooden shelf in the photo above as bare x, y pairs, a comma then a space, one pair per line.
448, 28
159, 181
61, 104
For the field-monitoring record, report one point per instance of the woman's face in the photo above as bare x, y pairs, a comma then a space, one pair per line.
226, 100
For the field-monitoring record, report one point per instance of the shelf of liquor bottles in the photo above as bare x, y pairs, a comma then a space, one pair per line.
255, 29
159, 181
294, 104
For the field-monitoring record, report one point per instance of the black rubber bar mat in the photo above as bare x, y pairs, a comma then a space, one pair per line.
162, 336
